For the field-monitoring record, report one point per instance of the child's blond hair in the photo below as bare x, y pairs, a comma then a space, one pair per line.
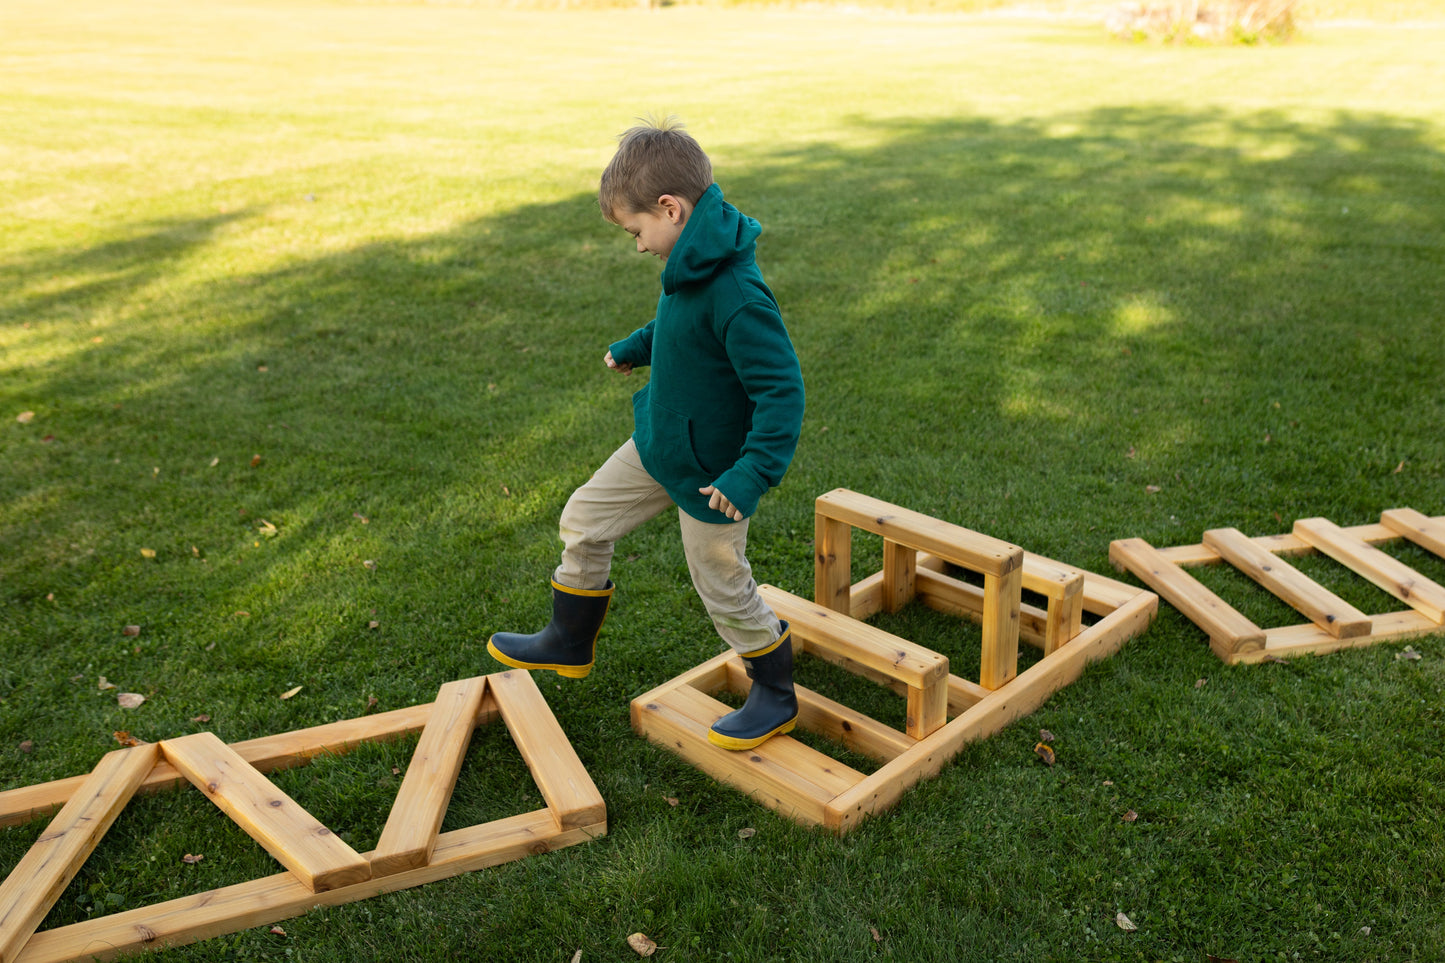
654, 158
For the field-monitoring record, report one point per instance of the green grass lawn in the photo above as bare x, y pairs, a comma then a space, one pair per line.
1033, 275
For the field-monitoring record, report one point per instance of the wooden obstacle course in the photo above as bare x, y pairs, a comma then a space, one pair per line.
943, 711
320, 868
1332, 623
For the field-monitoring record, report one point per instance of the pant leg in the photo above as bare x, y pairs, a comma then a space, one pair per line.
617, 499
724, 581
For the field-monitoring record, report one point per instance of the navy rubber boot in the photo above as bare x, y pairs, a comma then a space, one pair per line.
772, 706
568, 644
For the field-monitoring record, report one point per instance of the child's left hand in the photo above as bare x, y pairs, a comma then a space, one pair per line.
719, 501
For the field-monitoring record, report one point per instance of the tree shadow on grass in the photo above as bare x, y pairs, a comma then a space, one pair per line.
1025, 328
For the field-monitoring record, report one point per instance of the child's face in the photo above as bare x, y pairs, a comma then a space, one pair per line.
657, 231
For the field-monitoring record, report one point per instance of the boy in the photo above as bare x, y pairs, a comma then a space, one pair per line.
715, 428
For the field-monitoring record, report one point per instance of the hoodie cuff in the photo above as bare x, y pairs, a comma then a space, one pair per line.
742, 487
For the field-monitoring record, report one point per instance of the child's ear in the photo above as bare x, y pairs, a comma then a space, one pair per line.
672, 208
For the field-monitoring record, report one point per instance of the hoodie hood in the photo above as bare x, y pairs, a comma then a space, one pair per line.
716, 234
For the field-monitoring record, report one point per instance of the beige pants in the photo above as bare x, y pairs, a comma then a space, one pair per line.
620, 497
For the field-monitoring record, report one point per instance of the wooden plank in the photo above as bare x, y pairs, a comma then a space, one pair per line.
832, 563
964, 695
834, 721
274, 898
676, 720
266, 754
1285, 544
1027, 692
880, 651
1316, 603
42, 874
1221, 622
1386, 572
999, 658
416, 816
1428, 533
948, 594
898, 569
558, 772
315, 854
962, 546
1309, 639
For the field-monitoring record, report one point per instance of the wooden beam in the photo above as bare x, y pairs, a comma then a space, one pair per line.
1386, 572
898, 570
421, 804
1428, 533
558, 772
962, 546
1319, 605
832, 563
42, 874
1225, 626
999, 658
313, 853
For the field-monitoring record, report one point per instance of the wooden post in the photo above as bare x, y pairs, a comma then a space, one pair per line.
899, 567
999, 660
833, 563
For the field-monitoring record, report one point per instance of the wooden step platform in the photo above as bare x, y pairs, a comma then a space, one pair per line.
321, 869
943, 711
1332, 623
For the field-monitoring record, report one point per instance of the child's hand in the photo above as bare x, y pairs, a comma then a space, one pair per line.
625, 368
719, 501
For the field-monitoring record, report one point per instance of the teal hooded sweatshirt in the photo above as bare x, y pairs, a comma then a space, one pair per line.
724, 403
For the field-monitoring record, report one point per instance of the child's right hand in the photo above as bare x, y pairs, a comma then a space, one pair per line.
625, 368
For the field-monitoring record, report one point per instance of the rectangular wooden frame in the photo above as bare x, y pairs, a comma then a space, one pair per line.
411, 851
1332, 623
944, 711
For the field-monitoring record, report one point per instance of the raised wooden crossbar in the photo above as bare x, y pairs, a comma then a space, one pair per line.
944, 711
1332, 622
321, 870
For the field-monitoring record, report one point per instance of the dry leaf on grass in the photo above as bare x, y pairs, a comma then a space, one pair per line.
876, 937
266, 528
130, 700
255, 460
131, 630
148, 553
577, 957
27, 745
1045, 735
1200, 683
373, 624
1152, 489
370, 564
192, 860
277, 931
641, 944
1130, 816
104, 684
290, 692
670, 800
1046, 753
201, 718
1124, 923
1408, 654
25, 417
126, 739
747, 833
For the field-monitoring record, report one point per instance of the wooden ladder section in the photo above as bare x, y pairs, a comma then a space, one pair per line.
944, 712
1333, 623
321, 870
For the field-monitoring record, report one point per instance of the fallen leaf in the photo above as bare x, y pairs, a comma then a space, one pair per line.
1200, 683
1408, 654
126, 739
396, 770
131, 630
364, 519
1045, 753
1152, 489
103, 683
290, 692
25, 417
1125, 924
192, 860
201, 718
577, 957
670, 800
277, 931
47, 439
242, 613
27, 745
373, 624
130, 700
371, 703
215, 462
1108, 782
50, 596
266, 528
1130, 453
876, 937
255, 460
1045, 735
747, 833
641, 944
370, 564
506, 491
1275, 658
1130, 816
1399, 468
262, 368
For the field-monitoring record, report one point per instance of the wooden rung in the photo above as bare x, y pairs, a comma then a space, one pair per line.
1321, 606
42, 874
871, 647
962, 546
834, 721
558, 772
1427, 532
313, 853
1388, 573
1219, 620
416, 816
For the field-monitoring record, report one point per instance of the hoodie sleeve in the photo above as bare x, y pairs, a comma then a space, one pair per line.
635, 349
766, 364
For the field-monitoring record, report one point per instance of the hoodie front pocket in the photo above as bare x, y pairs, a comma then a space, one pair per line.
672, 443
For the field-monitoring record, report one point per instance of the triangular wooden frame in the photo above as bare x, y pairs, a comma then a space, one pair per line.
321, 869
1333, 623
944, 711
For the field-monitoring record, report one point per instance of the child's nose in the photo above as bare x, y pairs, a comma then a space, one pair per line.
641, 248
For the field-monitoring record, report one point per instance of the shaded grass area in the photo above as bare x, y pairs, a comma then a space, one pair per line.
1022, 299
